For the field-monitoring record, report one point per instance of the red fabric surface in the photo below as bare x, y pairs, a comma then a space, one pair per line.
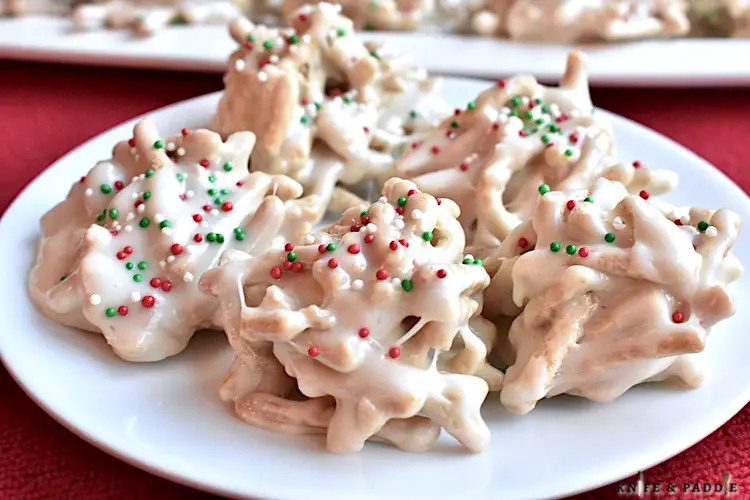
47, 110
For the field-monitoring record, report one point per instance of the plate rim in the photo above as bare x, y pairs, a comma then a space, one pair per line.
143, 462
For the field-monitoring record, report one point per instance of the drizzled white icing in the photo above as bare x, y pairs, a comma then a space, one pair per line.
121, 254
343, 110
492, 156
607, 306
369, 316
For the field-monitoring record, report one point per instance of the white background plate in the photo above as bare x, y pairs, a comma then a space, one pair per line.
167, 418
681, 62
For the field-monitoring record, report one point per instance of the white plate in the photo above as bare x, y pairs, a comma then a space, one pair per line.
167, 418
682, 62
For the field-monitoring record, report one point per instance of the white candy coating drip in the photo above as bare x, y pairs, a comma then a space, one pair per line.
570, 21
361, 108
595, 325
492, 156
115, 269
385, 353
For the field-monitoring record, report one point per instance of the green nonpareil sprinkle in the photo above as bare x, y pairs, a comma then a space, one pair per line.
317, 105
401, 201
228, 167
164, 223
515, 114
211, 179
218, 200
219, 238
304, 120
293, 40
545, 139
180, 177
545, 109
110, 312
129, 266
250, 38
553, 128
142, 265
100, 218
105, 188
477, 262
211, 237
147, 195
702, 226
291, 256
467, 260
609, 237
427, 236
454, 124
570, 249
412, 114
346, 99
539, 121
144, 222
364, 214
159, 144
588, 199
239, 236
407, 285
331, 247
554, 246
113, 213
63, 277
537, 101
568, 153
340, 32
544, 189
471, 106
268, 45
224, 191
515, 102
211, 192
137, 278
149, 172
374, 54
529, 115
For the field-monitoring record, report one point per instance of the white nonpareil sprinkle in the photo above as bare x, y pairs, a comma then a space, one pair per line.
89, 192
141, 208
166, 231
240, 65
382, 199
398, 223
416, 214
135, 296
311, 110
188, 277
711, 232
324, 239
685, 219
190, 194
134, 195
306, 38
95, 299
163, 264
214, 212
371, 228
171, 146
170, 258
130, 216
469, 256
396, 281
274, 59
357, 285
158, 218
128, 228
284, 163
618, 223
181, 152
308, 240
262, 76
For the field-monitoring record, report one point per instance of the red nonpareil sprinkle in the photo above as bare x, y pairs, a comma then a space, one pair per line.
313, 351
122, 310
382, 274
176, 249
496, 126
128, 249
442, 273
276, 272
197, 238
394, 352
203, 163
138, 203
322, 248
114, 233
148, 301
302, 17
304, 101
249, 45
288, 247
183, 197
122, 255
636, 164
369, 238
449, 134
574, 138
522, 133
239, 183
354, 249
82, 179
404, 243
678, 222
227, 206
119, 185
166, 285
415, 144
297, 267
364, 333
501, 83
464, 167
583, 252
411, 192
561, 118
197, 217
400, 210
155, 282
456, 112
287, 265
333, 263
131, 142
678, 317
570, 205
439, 201
336, 93
523, 242
365, 219
393, 245
185, 131
366, 129
435, 150
354, 228
207, 208
644, 194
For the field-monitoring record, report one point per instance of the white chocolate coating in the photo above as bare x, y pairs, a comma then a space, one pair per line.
391, 15
342, 110
491, 157
630, 302
369, 316
146, 215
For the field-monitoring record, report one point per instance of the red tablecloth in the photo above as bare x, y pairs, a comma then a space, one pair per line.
46, 110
